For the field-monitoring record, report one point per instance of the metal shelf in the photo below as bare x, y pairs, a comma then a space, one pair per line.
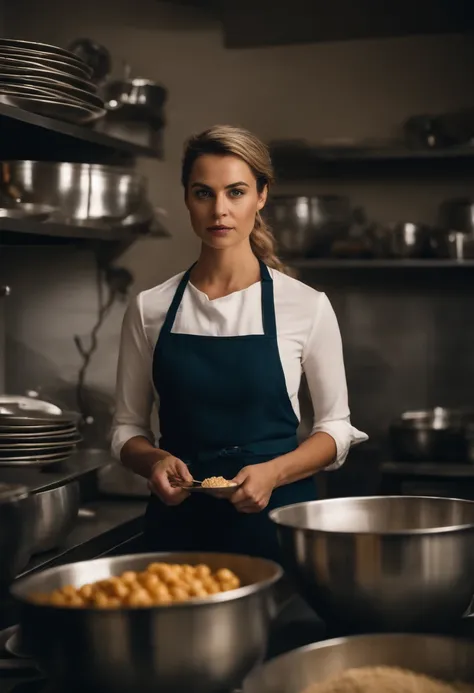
333, 263
21, 231
27, 135
307, 162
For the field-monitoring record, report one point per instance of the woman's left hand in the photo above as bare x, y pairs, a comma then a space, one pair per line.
258, 482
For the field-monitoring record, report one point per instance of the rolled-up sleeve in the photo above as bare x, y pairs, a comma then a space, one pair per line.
134, 390
323, 364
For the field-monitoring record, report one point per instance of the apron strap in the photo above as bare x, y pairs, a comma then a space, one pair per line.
175, 303
268, 302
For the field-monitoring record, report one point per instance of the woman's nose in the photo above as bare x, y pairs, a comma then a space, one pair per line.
220, 206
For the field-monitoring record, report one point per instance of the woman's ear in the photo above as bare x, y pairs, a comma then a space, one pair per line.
262, 198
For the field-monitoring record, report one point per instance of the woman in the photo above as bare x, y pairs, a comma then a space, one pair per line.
221, 349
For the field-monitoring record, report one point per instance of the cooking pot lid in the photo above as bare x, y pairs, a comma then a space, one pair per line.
12, 492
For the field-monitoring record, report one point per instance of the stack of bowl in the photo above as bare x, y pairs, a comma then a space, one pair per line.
35, 433
47, 80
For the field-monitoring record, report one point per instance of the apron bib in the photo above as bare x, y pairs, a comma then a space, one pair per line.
223, 405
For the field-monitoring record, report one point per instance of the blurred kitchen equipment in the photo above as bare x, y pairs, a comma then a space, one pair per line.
401, 240
388, 563
135, 110
94, 55
15, 523
442, 658
220, 638
433, 435
424, 131
81, 192
55, 514
308, 225
29, 404
457, 214
135, 96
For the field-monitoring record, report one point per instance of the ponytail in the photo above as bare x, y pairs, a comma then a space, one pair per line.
262, 242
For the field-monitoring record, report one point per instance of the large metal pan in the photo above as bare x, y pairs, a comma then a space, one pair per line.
392, 564
447, 659
204, 645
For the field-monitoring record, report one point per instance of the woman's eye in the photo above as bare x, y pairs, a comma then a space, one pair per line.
202, 194
235, 192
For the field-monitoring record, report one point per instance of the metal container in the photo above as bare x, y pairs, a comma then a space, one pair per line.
15, 523
137, 96
442, 658
394, 563
81, 192
205, 646
457, 214
433, 435
55, 514
403, 240
308, 226
456, 245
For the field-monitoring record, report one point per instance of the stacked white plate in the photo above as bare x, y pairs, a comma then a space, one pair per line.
47, 80
33, 432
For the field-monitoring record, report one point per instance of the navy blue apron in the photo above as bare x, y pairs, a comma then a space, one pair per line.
223, 405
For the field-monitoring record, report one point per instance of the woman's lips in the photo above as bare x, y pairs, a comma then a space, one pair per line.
219, 230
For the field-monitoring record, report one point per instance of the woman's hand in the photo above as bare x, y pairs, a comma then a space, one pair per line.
165, 478
258, 482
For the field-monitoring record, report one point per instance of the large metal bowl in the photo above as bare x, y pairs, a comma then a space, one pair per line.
80, 192
398, 563
447, 659
204, 646
55, 512
15, 523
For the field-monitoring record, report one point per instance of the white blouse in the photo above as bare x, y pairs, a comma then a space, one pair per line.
308, 340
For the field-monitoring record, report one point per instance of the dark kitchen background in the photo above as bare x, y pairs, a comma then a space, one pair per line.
339, 81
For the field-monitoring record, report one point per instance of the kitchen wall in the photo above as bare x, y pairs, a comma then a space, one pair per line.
415, 349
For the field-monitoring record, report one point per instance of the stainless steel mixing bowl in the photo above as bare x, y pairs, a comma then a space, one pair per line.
80, 192
55, 512
204, 646
15, 523
398, 563
447, 659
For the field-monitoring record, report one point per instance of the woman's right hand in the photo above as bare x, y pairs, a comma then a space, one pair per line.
163, 479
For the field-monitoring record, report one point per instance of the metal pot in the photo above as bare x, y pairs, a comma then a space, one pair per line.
55, 514
456, 245
206, 645
402, 240
135, 96
437, 435
308, 226
389, 563
457, 214
81, 192
447, 659
15, 524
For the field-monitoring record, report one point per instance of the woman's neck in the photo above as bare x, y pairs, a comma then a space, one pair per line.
221, 272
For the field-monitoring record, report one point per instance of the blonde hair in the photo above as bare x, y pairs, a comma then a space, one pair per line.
233, 141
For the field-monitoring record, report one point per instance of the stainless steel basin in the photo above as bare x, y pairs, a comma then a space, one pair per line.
80, 192
203, 646
447, 659
55, 513
15, 522
375, 564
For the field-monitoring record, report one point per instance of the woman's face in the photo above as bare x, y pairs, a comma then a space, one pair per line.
223, 200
